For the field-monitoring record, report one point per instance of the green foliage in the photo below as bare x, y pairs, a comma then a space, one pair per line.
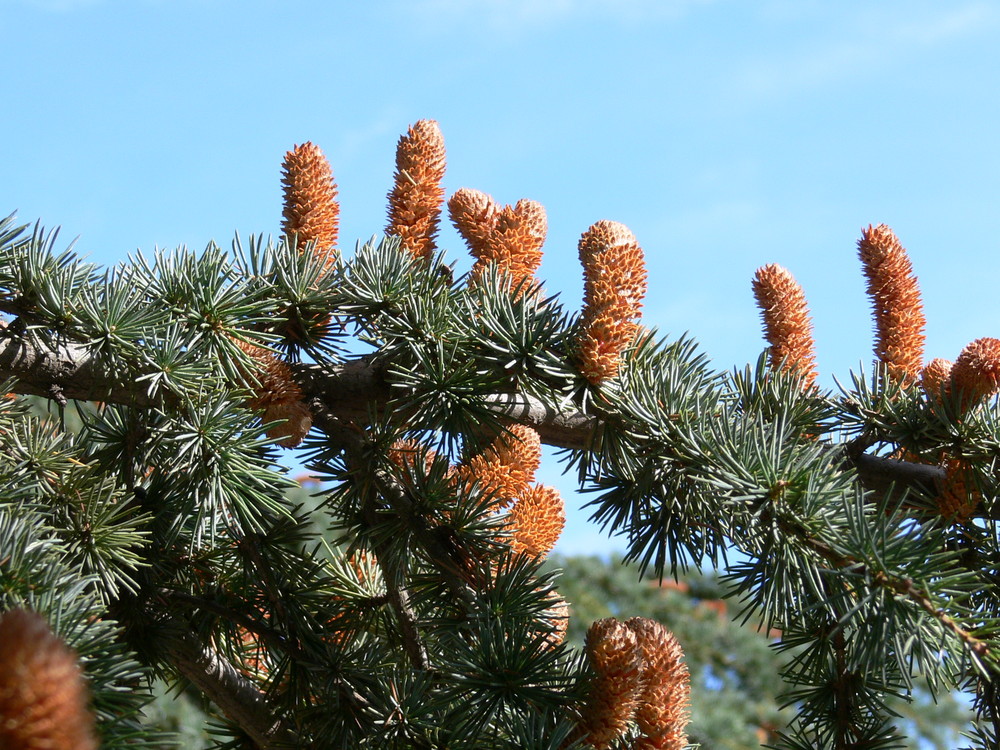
388, 611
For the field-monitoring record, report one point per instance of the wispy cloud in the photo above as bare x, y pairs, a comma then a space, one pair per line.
55, 6
523, 14
876, 40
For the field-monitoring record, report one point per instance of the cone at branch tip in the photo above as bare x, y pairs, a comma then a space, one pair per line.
787, 325
417, 194
43, 696
896, 305
311, 212
474, 215
614, 278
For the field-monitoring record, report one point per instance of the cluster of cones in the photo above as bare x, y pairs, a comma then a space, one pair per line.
639, 678
504, 237
899, 345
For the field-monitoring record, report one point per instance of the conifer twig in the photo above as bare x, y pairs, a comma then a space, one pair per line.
235, 695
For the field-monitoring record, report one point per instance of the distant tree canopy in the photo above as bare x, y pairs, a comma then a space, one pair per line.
410, 602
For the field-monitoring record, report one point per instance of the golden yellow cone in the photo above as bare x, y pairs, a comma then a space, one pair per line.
474, 215
515, 244
536, 520
311, 212
509, 238
613, 697
664, 705
614, 277
896, 305
416, 197
43, 696
507, 466
787, 326
976, 373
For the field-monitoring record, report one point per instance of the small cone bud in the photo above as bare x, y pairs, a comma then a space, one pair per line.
936, 377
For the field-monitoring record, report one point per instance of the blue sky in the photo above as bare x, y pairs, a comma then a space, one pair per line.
725, 133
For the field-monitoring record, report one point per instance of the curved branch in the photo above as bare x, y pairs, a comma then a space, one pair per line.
236, 696
348, 391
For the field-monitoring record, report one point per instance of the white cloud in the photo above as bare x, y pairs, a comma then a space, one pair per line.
511, 15
877, 40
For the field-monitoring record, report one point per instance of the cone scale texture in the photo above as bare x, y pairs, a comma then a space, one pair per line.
417, 195
896, 304
787, 326
311, 212
614, 279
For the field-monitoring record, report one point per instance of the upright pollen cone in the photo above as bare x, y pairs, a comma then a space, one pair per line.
311, 213
664, 705
787, 326
976, 373
474, 215
896, 305
611, 649
43, 697
614, 280
416, 196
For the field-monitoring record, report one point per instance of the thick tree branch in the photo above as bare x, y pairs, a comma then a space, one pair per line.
67, 369
237, 697
347, 392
